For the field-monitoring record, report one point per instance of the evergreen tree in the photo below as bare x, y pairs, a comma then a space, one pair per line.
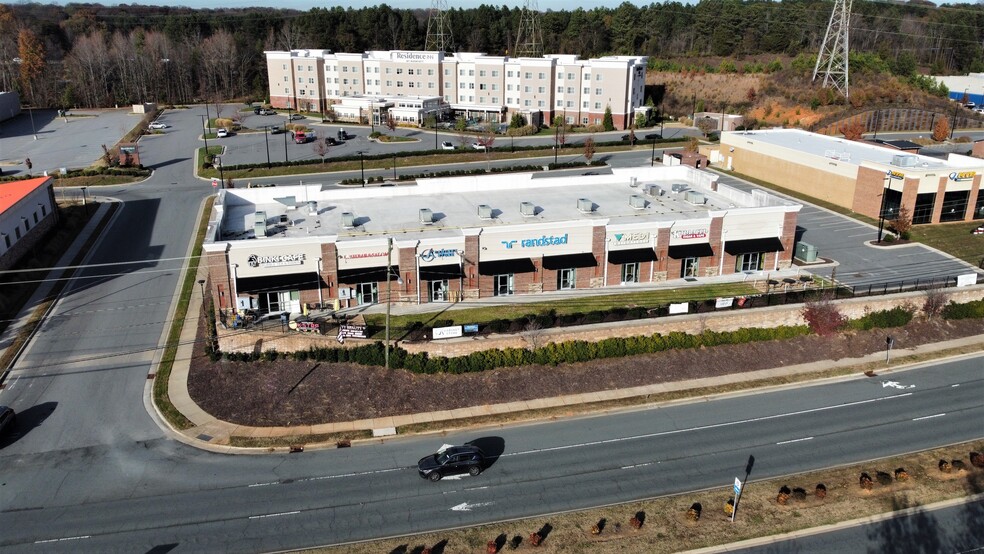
607, 122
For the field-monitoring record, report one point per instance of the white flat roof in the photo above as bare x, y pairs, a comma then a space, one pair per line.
454, 201
834, 147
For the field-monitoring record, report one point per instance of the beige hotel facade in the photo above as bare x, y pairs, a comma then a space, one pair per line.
471, 84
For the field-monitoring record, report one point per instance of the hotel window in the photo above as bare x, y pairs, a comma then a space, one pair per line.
447, 72
471, 99
508, 87
447, 84
570, 76
344, 81
587, 76
471, 72
471, 86
483, 86
481, 99
570, 105
285, 66
375, 70
310, 68
541, 90
586, 90
526, 88
526, 102
344, 69
560, 75
509, 101
570, 90
598, 91
541, 76
560, 90
597, 105
461, 86
540, 103
495, 86
584, 121
399, 71
399, 84
389, 83
584, 105
430, 84
430, 72
461, 98
528, 75
311, 80
495, 99
597, 76
286, 91
481, 73
495, 72
410, 84
509, 74
387, 71
560, 103
355, 81
461, 72
285, 78
300, 79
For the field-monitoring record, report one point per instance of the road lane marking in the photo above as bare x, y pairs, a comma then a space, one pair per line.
466, 507
633, 466
928, 417
264, 484
705, 427
64, 539
276, 515
795, 440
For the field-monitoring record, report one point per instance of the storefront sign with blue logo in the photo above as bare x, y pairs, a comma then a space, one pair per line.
533, 243
963, 175
432, 254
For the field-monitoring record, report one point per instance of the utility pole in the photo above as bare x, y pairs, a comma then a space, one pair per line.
266, 142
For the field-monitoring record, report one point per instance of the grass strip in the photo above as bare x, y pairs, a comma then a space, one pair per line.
283, 442
161, 397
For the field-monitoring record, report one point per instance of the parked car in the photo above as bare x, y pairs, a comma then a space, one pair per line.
276, 129
7, 419
478, 146
158, 125
447, 146
221, 133
257, 109
267, 112
654, 136
294, 116
449, 460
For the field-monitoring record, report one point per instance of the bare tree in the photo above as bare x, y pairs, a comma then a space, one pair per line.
321, 148
487, 140
935, 302
533, 334
390, 122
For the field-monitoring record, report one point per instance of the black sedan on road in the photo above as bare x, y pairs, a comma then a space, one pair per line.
450, 460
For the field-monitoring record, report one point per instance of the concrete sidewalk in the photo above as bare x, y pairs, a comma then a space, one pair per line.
214, 434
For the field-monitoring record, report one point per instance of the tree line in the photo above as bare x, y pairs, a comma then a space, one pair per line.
90, 55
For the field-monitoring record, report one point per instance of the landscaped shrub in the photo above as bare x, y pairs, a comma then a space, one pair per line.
967, 310
896, 317
823, 317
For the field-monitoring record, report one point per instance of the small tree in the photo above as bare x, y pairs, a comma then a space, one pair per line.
330, 114
607, 122
487, 140
589, 149
517, 121
321, 148
430, 122
750, 95
902, 224
706, 125
693, 145
533, 334
941, 130
390, 122
640, 120
460, 125
823, 317
935, 302
853, 129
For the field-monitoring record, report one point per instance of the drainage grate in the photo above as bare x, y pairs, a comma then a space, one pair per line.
150, 376
204, 437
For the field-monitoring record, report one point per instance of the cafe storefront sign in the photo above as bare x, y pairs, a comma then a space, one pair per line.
253, 261
276, 260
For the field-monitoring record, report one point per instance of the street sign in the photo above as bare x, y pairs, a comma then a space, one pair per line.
215, 183
734, 509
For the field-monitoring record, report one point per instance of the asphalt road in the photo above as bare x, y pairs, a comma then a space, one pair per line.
89, 469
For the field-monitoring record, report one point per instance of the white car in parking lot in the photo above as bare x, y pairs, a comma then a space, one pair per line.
478, 146
446, 145
158, 125
221, 133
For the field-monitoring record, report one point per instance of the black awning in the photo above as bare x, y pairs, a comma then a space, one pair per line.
271, 283
440, 272
567, 261
747, 246
501, 267
697, 250
632, 256
367, 274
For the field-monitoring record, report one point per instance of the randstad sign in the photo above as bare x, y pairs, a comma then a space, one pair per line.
545, 240
963, 175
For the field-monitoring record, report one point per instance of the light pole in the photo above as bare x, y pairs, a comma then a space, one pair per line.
285, 143
362, 167
201, 286
652, 161
207, 124
661, 118
205, 136
394, 166
953, 125
266, 142
389, 298
34, 131
218, 162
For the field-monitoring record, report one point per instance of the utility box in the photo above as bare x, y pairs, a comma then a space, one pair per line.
806, 252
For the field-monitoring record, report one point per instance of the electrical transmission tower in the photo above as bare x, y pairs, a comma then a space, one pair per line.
439, 36
529, 41
832, 61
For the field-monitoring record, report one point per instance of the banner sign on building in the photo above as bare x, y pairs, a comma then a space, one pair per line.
724, 302
681, 308
966, 280
447, 332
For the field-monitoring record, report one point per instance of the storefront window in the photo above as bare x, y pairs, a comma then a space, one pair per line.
750, 262
503, 284
954, 205
439, 291
690, 266
979, 209
565, 279
923, 211
366, 293
630, 273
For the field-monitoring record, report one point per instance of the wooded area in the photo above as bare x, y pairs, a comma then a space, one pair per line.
88, 55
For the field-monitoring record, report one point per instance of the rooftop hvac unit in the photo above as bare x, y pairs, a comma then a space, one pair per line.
527, 209
259, 229
694, 197
654, 191
348, 220
585, 206
312, 208
678, 187
637, 202
633, 182
905, 160
426, 216
484, 211
260, 217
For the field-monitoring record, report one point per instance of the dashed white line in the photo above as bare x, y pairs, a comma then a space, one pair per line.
795, 440
957, 385
637, 465
64, 539
276, 515
264, 484
928, 417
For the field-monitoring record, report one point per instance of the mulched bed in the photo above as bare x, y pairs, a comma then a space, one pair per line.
303, 393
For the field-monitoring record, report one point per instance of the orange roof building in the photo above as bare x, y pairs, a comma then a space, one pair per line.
27, 212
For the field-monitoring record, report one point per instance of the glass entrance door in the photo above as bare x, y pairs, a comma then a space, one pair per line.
565, 279
689, 267
750, 262
438, 291
366, 293
630, 273
503, 284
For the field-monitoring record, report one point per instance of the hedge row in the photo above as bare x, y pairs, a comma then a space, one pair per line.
970, 310
884, 319
549, 354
